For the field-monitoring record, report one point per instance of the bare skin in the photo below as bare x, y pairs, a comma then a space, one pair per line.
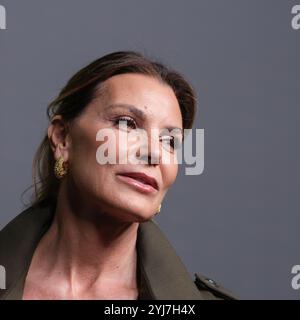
89, 251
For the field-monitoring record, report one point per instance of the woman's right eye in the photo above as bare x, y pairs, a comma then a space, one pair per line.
126, 122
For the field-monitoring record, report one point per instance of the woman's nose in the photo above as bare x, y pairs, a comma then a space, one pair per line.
151, 157
149, 150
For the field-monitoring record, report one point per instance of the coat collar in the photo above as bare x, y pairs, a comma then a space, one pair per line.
161, 273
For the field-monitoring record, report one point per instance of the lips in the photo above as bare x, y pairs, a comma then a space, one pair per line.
142, 177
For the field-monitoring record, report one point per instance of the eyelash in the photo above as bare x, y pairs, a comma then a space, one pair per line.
132, 124
174, 140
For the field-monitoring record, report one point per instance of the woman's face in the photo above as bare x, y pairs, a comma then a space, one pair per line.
143, 103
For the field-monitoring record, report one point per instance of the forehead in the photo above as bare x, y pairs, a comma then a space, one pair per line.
155, 99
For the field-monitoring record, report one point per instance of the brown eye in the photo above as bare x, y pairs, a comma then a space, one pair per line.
126, 121
171, 141
168, 141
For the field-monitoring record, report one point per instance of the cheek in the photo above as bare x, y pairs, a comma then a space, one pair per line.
88, 175
169, 167
169, 174
83, 161
111, 148
83, 149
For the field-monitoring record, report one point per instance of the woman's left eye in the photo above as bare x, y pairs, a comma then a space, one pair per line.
170, 140
126, 121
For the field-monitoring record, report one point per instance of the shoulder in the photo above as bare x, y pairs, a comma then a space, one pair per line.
14, 226
164, 263
205, 284
24, 228
18, 240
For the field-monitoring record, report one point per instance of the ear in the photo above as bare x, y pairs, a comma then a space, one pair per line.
58, 134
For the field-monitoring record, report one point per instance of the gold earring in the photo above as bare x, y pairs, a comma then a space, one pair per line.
60, 168
158, 210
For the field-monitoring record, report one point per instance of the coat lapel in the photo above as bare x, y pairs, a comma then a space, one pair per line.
163, 272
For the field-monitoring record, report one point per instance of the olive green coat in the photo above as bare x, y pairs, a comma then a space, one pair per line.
161, 273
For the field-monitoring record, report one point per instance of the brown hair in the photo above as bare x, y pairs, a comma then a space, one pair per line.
82, 88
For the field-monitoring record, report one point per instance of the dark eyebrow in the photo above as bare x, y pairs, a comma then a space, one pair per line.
138, 112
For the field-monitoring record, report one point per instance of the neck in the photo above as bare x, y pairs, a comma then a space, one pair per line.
87, 246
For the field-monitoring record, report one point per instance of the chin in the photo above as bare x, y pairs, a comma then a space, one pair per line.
144, 217
129, 210
138, 214
137, 204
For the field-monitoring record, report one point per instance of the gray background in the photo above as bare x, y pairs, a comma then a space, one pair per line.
238, 222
